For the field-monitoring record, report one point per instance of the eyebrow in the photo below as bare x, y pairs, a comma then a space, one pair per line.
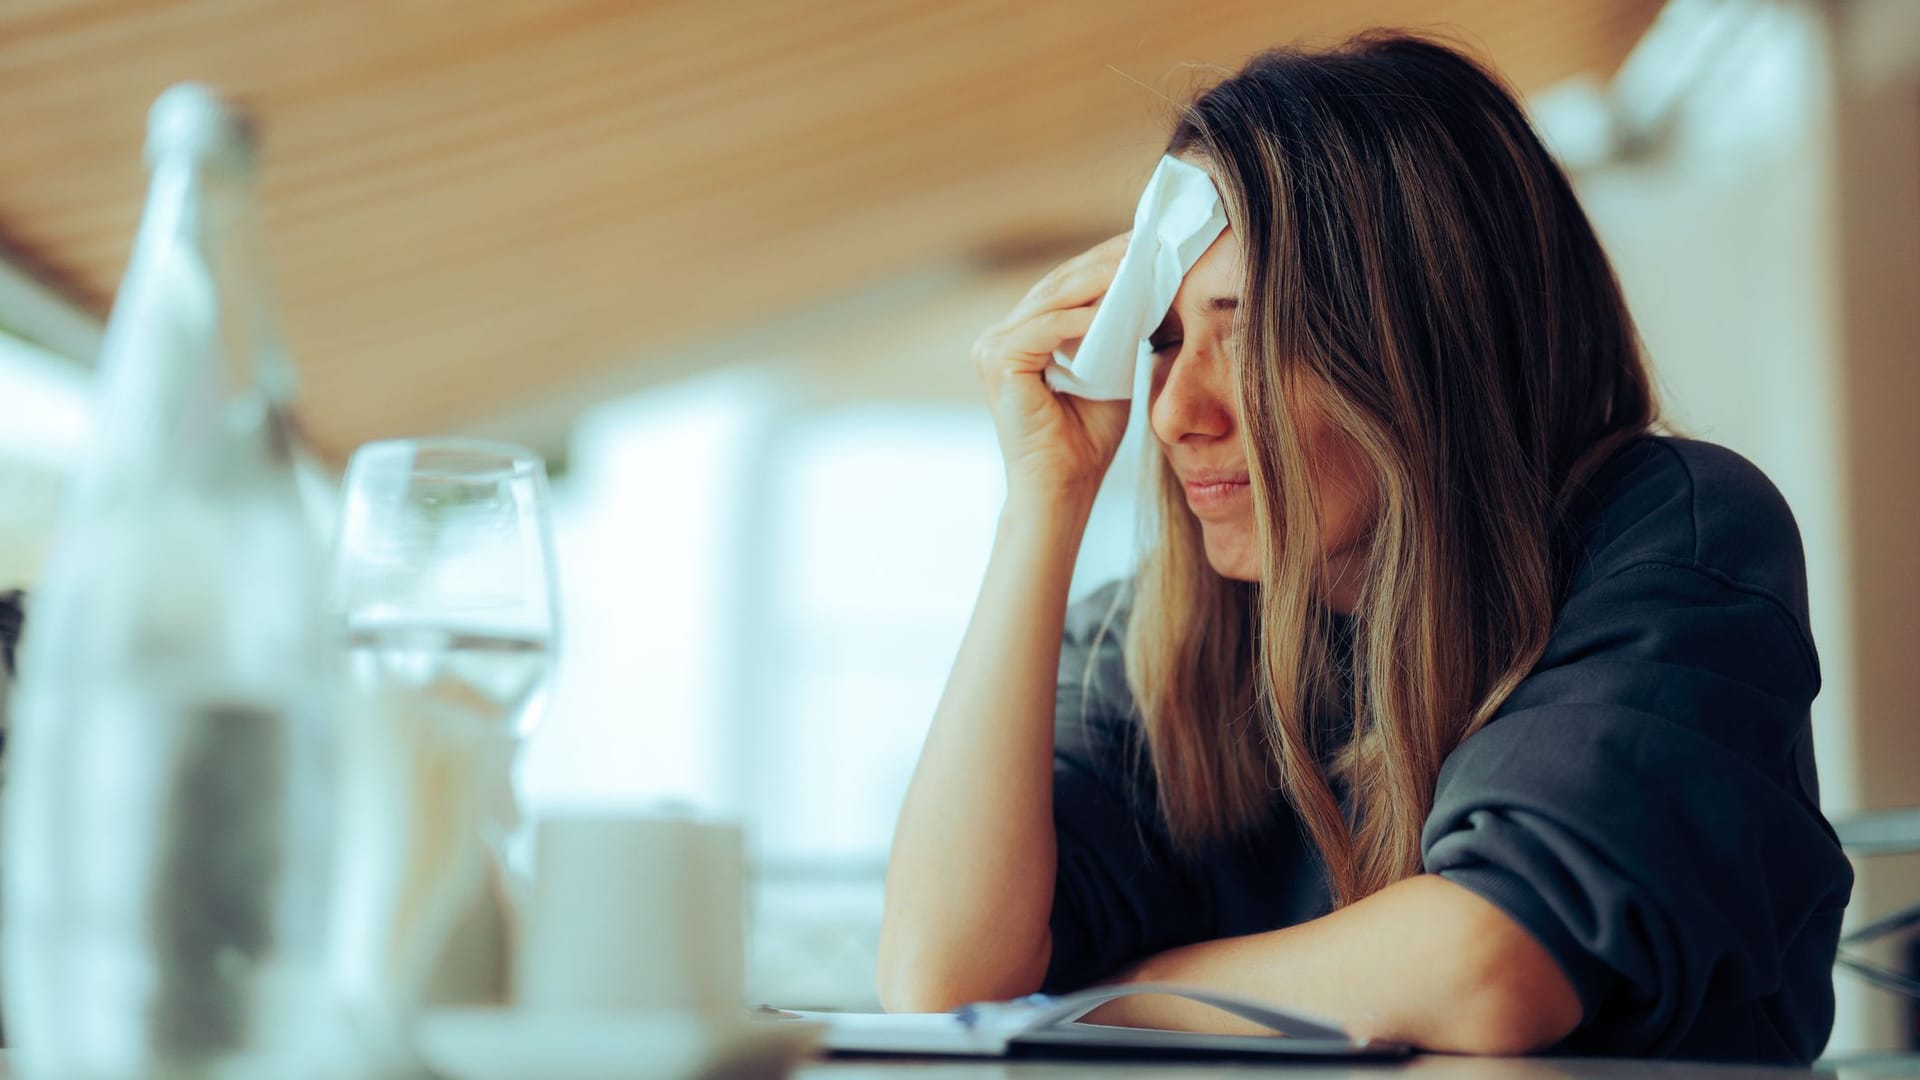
1217, 303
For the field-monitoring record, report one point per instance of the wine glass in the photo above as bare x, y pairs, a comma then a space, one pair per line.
444, 575
444, 586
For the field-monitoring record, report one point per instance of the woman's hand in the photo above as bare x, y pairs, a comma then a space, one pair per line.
1054, 444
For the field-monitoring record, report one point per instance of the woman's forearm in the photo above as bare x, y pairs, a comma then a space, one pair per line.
1425, 961
970, 879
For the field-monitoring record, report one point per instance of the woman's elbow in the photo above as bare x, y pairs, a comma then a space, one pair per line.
1507, 1028
910, 987
1506, 994
1518, 1010
920, 995
920, 982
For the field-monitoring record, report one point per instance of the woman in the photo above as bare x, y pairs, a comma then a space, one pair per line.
1448, 703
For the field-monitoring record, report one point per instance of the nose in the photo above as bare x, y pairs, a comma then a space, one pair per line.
1193, 398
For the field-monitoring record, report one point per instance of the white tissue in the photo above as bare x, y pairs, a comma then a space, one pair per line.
1179, 216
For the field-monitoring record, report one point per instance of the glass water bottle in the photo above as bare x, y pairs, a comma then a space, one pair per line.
167, 807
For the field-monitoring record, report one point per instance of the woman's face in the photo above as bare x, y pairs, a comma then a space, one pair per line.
1195, 415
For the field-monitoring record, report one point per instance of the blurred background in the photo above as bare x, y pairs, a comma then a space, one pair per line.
722, 263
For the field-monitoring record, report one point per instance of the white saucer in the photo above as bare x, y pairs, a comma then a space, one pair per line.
513, 1044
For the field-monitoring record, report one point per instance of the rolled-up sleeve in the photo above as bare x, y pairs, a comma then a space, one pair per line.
1644, 805
1120, 892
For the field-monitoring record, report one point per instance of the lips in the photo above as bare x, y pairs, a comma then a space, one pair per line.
1209, 477
1213, 489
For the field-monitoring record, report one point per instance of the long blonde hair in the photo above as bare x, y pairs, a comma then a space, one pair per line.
1419, 274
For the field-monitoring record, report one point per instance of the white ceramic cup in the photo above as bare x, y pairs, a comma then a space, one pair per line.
633, 912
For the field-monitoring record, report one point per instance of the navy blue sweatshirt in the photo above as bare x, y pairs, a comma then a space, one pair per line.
1644, 803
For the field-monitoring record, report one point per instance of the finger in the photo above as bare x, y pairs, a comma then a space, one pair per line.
1106, 253
1083, 285
1030, 345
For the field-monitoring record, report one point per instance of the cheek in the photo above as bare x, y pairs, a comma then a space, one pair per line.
1343, 487
1347, 499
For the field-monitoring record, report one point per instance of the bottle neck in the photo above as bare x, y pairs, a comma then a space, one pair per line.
192, 364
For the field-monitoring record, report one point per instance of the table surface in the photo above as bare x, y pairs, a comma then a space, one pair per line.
1426, 1067
1423, 1067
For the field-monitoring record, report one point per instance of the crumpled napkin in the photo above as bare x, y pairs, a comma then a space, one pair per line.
1179, 216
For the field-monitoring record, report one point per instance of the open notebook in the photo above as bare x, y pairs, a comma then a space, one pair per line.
1050, 1024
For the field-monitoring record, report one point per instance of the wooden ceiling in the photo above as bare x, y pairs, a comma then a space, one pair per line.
476, 205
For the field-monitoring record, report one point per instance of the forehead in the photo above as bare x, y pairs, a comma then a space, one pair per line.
1219, 263
1216, 273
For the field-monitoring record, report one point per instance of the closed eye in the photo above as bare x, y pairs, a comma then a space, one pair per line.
1162, 346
